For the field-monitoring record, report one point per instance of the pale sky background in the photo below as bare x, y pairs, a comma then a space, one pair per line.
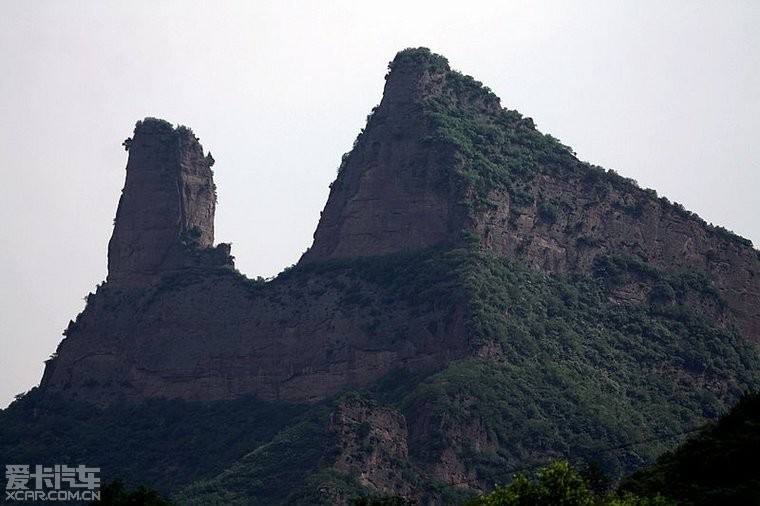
665, 92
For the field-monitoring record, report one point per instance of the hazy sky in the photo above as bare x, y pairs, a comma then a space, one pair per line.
665, 92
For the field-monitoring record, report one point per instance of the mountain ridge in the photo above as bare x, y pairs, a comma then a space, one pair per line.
489, 299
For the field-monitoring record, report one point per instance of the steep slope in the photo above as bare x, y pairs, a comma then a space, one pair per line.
557, 371
440, 164
490, 301
213, 334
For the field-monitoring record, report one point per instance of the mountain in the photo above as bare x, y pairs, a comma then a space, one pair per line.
476, 301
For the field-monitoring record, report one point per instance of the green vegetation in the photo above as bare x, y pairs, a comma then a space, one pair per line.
270, 474
191, 237
115, 494
154, 123
558, 484
162, 444
486, 147
575, 375
420, 57
483, 145
484, 151
718, 466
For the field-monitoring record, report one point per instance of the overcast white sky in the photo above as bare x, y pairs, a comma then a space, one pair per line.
665, 92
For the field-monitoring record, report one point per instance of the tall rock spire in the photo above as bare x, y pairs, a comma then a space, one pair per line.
165, 218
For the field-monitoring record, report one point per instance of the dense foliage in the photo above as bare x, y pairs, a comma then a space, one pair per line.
718, 466
114, 493
485, 146
499, 148
559, 484
159, 443
572, 374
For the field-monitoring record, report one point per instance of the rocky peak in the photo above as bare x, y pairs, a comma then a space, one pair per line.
440, 162
165, 218
413, 74
394, 191
416, 75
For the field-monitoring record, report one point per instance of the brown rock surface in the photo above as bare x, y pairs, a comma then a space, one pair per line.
397, 190
213, 334
165, 217
392, 192
593, 218
372, 442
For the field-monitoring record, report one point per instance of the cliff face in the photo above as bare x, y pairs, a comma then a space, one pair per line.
372, 439
213, 334
575, 220
175, 320
393, 191
165, 217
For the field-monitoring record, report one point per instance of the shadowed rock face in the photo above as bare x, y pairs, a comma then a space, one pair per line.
373, 439
165, 216
400, 189
212, 334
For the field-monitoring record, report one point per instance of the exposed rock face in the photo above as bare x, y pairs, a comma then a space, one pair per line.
407, 283
392, 192
165, 217
590, 217
462, 437
210, 334
174, 319
372, 441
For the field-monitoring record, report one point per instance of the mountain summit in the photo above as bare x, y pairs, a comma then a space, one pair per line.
440, 160
476, 301
396, 190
